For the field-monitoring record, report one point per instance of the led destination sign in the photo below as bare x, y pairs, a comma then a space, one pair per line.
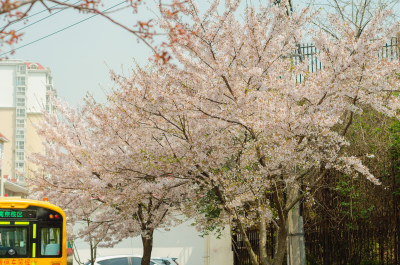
17, 214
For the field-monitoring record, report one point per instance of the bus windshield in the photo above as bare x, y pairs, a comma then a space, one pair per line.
13, 241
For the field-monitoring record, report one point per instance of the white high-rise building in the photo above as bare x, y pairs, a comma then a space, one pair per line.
24, 94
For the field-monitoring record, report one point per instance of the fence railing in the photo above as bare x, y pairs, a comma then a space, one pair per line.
390, 50
366, 243
372, 241
241, 255
308, 53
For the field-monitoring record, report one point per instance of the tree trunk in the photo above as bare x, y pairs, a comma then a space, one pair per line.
263, 236
93, 246
92, 251
249, 248
147, 241
281, 244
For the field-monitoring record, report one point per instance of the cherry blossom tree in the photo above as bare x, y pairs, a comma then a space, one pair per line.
230, 118
92, 168
356, 13
234, 119
12, 11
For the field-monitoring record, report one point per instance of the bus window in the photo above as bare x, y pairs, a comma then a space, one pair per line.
50, 241
13, 241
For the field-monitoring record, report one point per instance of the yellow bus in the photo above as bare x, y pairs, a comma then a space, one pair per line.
32, 233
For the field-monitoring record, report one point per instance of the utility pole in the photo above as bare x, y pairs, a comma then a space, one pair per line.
296, 254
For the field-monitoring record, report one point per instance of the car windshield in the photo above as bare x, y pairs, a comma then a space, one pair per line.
162, 261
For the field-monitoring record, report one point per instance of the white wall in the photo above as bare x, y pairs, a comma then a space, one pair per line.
36, 92
219, 250
182, 242
7, 82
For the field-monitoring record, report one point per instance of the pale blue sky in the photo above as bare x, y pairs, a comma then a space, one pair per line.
80, 57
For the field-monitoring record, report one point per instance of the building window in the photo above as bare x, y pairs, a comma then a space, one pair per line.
33, 66
20, 156
20, 176
20, 165
20, 80
22, 69
20, 124
20, 102
21, 145
1, 152
21, 91
20, 112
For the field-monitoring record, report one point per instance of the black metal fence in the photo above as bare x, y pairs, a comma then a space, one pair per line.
241, 255
390, 50
308, 53
374, 241
369, 243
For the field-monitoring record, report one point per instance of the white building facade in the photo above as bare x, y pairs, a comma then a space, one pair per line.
24, 94
182, 242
